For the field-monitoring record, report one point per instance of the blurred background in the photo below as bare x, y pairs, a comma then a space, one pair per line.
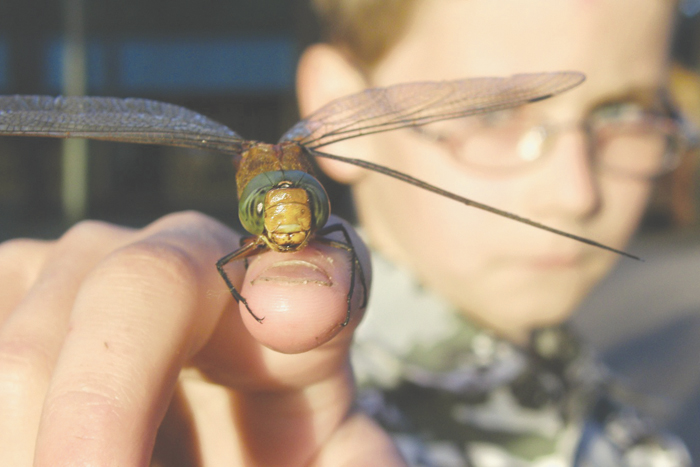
231, 60
234, 61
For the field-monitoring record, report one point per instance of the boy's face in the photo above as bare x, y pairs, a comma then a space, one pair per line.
511, 276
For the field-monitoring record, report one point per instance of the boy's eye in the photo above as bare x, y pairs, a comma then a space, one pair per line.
619, 111
497, 118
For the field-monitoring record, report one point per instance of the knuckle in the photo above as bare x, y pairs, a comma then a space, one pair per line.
194, 224
89, 398
151, 261
22, 364
16, 244
189, 216
183, 218
20, 262
11, 250
82, 234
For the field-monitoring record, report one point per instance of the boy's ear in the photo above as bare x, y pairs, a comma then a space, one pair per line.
325, 74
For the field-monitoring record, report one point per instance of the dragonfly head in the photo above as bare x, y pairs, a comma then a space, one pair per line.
284, 207
288, 218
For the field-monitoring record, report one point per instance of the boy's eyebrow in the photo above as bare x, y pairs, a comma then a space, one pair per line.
652, 98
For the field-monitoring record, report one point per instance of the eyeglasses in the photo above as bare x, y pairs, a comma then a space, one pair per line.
621, 139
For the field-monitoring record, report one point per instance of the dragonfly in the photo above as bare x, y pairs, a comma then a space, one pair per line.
281, 203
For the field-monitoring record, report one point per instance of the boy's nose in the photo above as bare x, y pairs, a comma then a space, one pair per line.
569, 183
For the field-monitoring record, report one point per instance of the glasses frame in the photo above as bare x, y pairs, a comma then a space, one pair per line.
680, 139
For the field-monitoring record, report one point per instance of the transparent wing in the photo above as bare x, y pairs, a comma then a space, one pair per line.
108, 118
384, 109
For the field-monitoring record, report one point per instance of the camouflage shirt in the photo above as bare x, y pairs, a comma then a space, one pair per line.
453, 394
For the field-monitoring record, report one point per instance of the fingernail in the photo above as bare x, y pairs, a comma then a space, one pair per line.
294, 272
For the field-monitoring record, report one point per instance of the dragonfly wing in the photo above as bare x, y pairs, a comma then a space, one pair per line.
113, 119
383, 109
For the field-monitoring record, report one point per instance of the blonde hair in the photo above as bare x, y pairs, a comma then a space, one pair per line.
364, 29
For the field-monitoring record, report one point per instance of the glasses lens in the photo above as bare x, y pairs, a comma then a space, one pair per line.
633, 144
498, 145
646, 148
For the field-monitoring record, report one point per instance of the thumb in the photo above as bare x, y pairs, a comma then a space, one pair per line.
295, 301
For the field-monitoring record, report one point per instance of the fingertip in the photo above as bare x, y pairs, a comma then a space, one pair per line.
301, 298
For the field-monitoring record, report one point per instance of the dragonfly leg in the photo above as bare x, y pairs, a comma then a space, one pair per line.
356, 266
249, 246
241, 243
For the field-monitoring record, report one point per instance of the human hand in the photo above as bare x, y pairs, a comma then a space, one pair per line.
109, 333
